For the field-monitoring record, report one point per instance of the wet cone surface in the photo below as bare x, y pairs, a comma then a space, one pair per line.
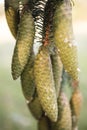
45, 59
23, 45
45, 84
27, 80
63, 37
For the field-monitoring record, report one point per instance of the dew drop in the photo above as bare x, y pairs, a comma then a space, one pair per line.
27, 101
78, 69
45, 114
70, 45
20, 7
66, 71
58, 50
54, 106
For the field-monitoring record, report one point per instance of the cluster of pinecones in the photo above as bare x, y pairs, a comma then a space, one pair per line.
45, 50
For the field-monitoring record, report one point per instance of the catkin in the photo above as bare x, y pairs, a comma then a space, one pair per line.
23, 45
64, 39
45, 84
27, 79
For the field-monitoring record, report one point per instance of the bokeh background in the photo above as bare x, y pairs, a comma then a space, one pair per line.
14, 114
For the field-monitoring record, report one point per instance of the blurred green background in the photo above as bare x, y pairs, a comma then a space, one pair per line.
14, 114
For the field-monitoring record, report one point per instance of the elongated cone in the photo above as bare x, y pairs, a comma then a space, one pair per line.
35, 108
64, 39
76, 104
64, 121
57, 71
24, 44
43, 124
27, 79
12, 17
45, 84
